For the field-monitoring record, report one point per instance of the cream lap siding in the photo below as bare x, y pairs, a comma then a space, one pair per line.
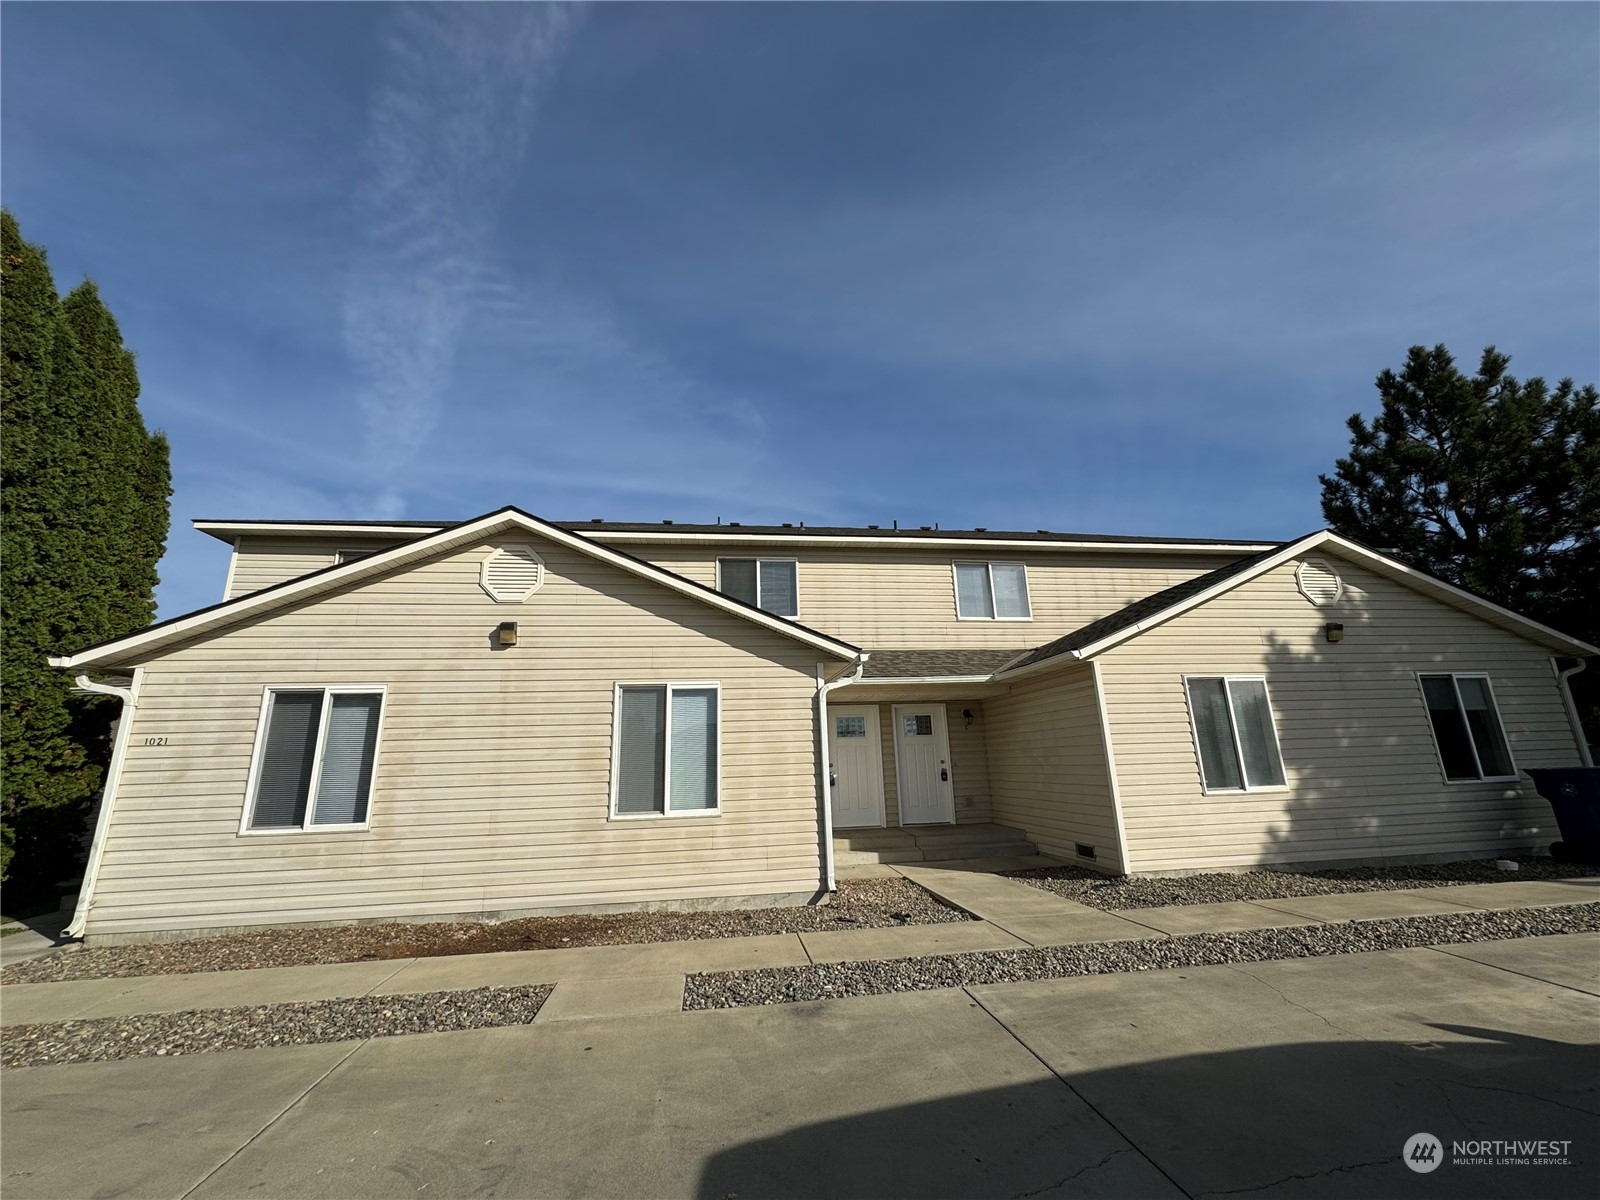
263, 560
1364, 780
905, 599
1048, 771
491, 791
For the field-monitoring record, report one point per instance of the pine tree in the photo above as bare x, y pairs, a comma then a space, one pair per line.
83, 523
1488, 482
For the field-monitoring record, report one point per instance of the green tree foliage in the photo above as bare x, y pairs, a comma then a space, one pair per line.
83, 518
1487, 481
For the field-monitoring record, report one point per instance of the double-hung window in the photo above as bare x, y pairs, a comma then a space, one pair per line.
992, 591
772, 584
1234, 733
314, 758
667, 750
1466, 728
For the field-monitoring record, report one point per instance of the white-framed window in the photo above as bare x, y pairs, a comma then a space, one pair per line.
340, 557
771, 584
1234, 733
316, 751
666, 750
992, 591
1466, 727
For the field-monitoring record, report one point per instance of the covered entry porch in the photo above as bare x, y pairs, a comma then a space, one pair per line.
929, 758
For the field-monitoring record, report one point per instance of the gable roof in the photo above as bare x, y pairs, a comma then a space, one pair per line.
217, 617
1160, 607
801, 534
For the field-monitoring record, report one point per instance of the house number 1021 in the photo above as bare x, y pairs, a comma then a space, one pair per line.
155, 741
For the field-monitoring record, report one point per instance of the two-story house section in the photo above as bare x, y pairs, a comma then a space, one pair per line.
506, 716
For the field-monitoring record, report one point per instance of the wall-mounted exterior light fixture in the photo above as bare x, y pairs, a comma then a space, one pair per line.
506, 633
1333, 631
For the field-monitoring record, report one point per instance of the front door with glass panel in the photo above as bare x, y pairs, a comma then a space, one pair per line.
856, 757
922, 765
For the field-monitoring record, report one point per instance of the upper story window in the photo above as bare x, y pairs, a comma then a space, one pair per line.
772, 584
1466, 728
992, 591
340, 557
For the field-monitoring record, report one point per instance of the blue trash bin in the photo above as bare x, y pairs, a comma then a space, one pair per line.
1574, 793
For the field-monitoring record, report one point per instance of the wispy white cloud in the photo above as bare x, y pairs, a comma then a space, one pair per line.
448, 129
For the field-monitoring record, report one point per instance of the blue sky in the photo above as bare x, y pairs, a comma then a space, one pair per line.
1099, 268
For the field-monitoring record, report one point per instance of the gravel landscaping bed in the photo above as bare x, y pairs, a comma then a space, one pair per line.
858, 904
831, 981
247, 1028
1096, 890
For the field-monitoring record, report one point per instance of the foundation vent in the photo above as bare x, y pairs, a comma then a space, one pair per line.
1085, 851
1318, 582
512, 573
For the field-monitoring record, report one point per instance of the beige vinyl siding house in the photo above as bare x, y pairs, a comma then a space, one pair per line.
643, 740
492, 789
1363, 776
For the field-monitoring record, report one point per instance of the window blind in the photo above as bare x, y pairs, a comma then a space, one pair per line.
972, 590
641, 750
284, 782
1010, 590
1263, 766
778, 591
694, 749
739, 579
1219, 765
345, 779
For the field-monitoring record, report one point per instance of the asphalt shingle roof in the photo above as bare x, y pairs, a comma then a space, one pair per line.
936, 664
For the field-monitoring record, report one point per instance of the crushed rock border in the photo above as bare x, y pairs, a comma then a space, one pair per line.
1113, 893
832, 981
249, 1027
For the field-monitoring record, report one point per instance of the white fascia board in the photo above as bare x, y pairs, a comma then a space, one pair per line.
812, 539
450, 538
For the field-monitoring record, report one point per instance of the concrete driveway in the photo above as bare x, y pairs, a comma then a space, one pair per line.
1284, 1079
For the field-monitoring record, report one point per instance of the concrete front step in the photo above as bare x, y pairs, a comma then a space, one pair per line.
858, 847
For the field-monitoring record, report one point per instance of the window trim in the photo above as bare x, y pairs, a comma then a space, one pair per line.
349, 555
1233, 728
989, 564
758, 560
1452, 676
615, 781
259, 753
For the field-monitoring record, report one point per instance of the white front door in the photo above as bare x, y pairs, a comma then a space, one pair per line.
922, 765
855, 752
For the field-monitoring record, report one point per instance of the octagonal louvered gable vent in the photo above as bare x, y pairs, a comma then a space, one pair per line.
512, 573
1318, 582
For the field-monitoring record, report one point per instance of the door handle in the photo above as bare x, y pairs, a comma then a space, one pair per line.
944, 774
833, 779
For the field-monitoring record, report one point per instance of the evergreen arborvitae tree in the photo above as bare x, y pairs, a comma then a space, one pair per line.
83, 523
1487, 481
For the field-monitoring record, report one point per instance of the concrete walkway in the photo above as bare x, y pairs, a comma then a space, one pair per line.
1275, 1081
636, 980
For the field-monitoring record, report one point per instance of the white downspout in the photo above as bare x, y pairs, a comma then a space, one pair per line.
1572, 708
825, 763
108, 794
